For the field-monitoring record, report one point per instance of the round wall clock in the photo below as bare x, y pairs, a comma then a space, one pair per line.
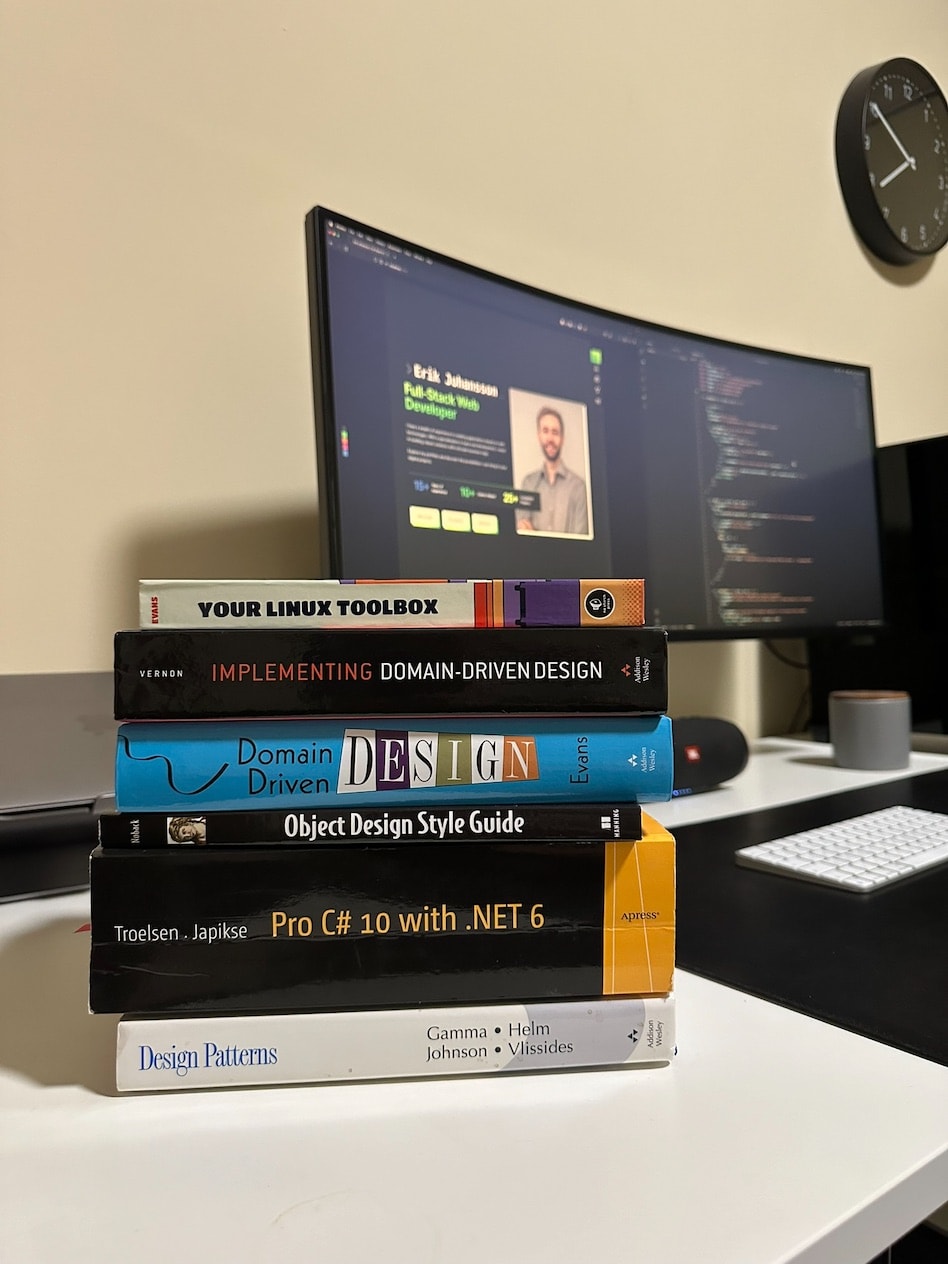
892, 160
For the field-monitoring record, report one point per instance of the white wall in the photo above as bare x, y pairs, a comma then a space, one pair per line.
158, 157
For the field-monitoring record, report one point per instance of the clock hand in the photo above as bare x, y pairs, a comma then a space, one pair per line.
885, 123
904, 166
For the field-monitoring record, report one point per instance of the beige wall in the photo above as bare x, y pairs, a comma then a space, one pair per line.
672, 161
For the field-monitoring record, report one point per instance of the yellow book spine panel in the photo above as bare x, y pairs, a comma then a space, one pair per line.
639, 913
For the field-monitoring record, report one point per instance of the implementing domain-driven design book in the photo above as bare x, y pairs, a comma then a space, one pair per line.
217, 673
461, 823
258, 930
352, 604
228, 765
230, 1051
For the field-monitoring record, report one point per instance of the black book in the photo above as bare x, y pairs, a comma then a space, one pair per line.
264, 929
333, 827
210, 673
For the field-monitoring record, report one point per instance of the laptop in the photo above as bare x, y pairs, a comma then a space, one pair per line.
57, 758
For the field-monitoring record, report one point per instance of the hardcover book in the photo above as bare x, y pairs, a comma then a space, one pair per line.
220, 673
462, 823
352, 604
229, 1051
227, 765
284, 929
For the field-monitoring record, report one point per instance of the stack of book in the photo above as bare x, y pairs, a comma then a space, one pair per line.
385, 830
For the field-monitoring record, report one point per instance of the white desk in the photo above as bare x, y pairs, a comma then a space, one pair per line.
779, 771
773, 1137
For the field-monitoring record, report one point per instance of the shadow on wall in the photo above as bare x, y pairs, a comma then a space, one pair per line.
234, 545
742, 682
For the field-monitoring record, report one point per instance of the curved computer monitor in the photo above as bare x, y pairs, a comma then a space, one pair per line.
470, 426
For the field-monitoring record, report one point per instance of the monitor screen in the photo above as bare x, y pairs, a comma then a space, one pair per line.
908, 653
469, 426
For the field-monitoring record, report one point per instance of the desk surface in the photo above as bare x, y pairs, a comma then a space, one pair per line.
783, 771
773, 1137
876, 964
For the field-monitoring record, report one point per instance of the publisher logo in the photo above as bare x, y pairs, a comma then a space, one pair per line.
599, 603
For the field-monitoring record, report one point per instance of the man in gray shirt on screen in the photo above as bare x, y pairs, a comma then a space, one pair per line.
563, 508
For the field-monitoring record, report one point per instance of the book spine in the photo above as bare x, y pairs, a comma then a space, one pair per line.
315, 1048
206, 673
351, 604
231, 765
276, 929
518, 823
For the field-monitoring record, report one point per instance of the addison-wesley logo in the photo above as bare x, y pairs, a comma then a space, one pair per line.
392, 759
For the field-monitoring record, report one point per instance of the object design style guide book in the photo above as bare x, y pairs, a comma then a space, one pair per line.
333, 827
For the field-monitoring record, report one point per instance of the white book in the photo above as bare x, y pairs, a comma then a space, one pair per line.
359, 604
223, 1051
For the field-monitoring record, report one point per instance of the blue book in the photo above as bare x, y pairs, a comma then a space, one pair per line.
229, 765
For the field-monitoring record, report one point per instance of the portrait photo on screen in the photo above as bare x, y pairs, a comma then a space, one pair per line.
549, 441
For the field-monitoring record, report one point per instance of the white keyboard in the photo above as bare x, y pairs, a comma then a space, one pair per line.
862, 853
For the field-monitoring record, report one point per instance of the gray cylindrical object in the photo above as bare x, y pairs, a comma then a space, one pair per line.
870, 728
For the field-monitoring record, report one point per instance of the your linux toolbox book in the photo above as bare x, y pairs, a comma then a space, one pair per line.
362, 603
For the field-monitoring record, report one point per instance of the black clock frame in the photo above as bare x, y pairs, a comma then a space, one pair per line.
853, 171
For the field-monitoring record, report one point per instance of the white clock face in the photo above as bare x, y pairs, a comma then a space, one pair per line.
905, 138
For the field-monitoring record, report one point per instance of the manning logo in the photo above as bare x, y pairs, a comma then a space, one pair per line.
396, 759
